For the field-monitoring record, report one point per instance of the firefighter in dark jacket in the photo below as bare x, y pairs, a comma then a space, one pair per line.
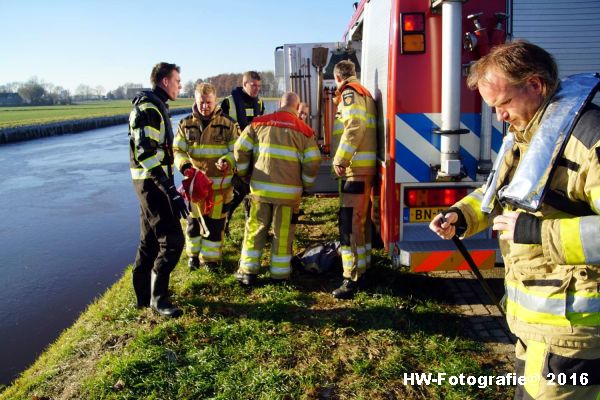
243, 105
161, 206
551, 248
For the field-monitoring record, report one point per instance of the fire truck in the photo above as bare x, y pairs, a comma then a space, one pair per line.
437, 139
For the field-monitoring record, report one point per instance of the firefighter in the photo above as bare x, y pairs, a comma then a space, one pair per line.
243, 105
204, 141
282, 155
151, 162
551, 255
303, 112
355, 138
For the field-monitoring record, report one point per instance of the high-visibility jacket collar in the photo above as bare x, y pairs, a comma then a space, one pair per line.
285, 117
354, 84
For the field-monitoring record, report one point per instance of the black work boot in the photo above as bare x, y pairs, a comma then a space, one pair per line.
245, 279
347, 290
141, 286
210, 266
194, 263
159, 300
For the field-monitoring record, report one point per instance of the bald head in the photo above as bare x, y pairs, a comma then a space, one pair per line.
289, 99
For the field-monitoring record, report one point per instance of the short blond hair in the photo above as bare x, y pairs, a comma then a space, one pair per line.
205, 88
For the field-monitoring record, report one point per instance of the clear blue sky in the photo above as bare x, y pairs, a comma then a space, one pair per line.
111, 42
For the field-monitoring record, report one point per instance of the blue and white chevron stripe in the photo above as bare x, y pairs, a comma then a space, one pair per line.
417, 147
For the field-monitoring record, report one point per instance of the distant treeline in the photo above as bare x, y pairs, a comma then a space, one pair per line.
35, 92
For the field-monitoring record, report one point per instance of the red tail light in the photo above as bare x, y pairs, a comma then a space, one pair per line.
442, 197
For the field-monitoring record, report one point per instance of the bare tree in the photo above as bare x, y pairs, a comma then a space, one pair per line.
32, 92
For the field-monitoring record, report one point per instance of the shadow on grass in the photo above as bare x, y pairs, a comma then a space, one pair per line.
414, 305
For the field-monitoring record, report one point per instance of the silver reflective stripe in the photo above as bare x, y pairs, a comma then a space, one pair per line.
581, 304
589, 232
489, 196
527, 185
539, 304
275, 187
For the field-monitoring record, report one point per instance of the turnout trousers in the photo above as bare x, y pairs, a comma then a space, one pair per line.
208, 248
262, 217
355, 225
161, 239
557, 373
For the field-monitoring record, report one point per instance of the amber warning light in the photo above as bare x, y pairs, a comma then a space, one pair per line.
413, 33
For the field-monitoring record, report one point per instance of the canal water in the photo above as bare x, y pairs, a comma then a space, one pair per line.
68, 229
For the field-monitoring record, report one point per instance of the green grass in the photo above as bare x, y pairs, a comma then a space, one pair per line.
290, 341
17, 116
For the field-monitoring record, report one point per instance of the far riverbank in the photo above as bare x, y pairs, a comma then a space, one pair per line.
28, 132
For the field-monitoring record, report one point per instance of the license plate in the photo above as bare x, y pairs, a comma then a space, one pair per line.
424, 214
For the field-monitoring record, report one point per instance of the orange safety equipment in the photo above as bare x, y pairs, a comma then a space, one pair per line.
197, 187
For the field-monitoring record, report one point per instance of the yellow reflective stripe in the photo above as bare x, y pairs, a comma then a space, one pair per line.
221, 183
312, 154
232, 109
150, 162
192, 245
363, 159
230, 160
250, 257
338, 128
473, 201
309, 180
595, 199
180, 143
152, 133
535, 355
245, 143
346, 147
279, 152
284, 229
272, 194
532, 317
572, 248
353, 111
275, 187
141, 173
242, 168
584, 319
181, 159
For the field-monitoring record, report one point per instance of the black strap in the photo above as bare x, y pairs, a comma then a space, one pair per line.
562, 203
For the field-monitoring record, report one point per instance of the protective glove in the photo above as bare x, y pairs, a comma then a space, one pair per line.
162, 181
178, 206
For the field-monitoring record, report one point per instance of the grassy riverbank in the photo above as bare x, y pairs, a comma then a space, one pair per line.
18, 116
289, 341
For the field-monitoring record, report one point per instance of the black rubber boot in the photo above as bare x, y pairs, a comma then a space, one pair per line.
245, 279
210, 266
194, 263
160, 297
141, 286
347, 290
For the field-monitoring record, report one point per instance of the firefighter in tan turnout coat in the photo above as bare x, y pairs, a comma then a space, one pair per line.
205, 141
355, 141
551, 255
280, 153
